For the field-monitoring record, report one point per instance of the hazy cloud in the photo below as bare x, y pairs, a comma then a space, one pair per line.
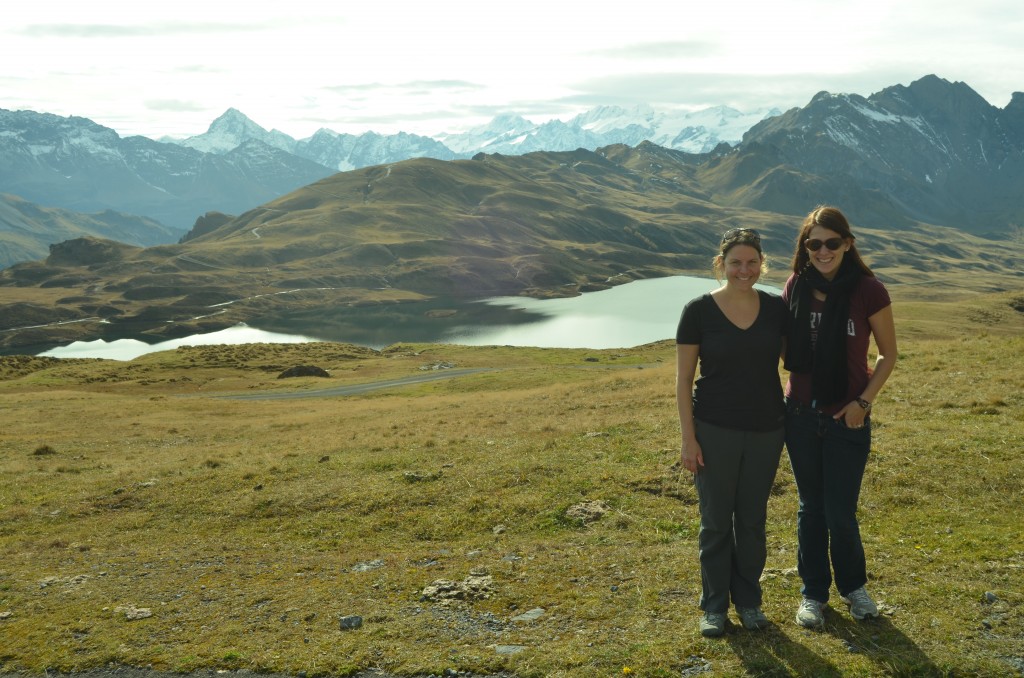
171, 29
745, 92
174, 105
659, 50
413, 85
198, 68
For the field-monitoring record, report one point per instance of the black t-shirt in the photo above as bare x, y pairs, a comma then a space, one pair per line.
738, 386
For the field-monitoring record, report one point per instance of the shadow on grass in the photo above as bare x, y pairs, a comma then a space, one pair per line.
884, 644
771, 653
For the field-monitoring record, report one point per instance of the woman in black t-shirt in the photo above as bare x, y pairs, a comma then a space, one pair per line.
732, 425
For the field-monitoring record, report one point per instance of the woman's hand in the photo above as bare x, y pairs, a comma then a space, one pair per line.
852, 416
691, 455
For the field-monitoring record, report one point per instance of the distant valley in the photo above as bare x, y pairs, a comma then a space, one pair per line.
928, 173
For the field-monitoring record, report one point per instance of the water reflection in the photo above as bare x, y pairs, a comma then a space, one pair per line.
636, 313
127, 349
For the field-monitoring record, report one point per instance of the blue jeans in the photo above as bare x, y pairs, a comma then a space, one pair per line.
828, 461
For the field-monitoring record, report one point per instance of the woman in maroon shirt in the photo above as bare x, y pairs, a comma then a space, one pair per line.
836, 305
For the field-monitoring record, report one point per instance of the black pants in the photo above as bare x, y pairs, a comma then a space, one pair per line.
733, 488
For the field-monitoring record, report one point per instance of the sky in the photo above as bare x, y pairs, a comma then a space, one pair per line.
159, 68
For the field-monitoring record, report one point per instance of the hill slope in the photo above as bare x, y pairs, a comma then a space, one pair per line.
541, 224
27, 229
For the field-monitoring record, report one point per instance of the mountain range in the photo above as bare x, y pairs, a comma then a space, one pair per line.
75, 164
930, 174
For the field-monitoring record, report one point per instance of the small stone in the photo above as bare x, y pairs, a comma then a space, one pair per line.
6, 615
509, 649
367, 567
132, 613
990, 598
530, 615
350, 622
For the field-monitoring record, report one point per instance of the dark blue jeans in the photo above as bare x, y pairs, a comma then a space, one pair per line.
828, 461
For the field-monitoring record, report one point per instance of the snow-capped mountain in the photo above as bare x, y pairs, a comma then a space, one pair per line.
335, 151
937, 150
230, 130
510, 134
343, 152
76, 164
504, 129
689, 131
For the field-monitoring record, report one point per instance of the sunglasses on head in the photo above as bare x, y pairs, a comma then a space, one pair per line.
815, 244
746, 234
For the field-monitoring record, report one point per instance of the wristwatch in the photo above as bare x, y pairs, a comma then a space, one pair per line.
865, 405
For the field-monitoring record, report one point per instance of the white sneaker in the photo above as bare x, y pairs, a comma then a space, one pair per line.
861, 605
811, 614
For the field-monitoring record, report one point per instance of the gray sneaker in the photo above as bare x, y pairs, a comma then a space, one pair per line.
811, 614
861, 605
752, 617
712, 624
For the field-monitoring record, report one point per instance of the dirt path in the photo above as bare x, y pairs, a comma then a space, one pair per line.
356, 389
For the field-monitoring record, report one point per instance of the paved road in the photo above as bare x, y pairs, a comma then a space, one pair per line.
357, 389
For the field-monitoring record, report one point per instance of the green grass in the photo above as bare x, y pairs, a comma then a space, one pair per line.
247, 528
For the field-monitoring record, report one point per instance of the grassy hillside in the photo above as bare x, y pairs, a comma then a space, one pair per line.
27, 229
151, 516
542, 224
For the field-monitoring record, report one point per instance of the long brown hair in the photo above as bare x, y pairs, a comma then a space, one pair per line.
831, 218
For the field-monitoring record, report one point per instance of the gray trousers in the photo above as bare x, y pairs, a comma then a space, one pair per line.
733, 488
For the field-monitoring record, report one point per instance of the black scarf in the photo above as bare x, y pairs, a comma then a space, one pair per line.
826, 361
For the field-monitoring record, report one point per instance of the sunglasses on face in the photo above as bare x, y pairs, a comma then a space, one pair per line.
832, 244
745, 234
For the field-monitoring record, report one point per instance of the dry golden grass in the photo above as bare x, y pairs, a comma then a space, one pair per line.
248, 527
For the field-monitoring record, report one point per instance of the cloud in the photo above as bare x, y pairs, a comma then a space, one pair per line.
659, 50
174, 105
744, 91
91, 31
405, 87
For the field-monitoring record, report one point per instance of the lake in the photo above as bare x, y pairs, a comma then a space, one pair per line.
632, 314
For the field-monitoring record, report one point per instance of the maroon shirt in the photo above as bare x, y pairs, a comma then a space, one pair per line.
867, 299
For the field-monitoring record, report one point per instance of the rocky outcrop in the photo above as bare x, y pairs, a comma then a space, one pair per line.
304, 371
87, 251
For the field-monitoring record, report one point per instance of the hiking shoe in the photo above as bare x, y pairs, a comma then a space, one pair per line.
712, 624
752, 617
811, 614
861, 605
